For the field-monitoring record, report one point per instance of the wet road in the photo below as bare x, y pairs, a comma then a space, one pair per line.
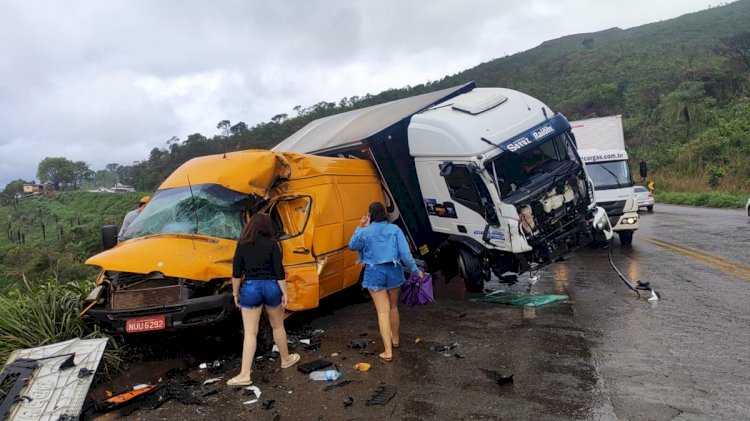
603, 354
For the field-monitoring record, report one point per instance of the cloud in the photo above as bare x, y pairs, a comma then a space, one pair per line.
107, 81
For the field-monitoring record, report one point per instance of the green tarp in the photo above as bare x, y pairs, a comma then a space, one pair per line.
525, 300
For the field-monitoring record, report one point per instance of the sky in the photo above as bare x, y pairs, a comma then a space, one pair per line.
107, 81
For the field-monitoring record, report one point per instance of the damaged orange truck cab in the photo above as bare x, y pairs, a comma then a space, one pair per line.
172, 268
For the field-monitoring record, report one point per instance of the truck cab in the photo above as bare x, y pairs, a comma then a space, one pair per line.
172, 270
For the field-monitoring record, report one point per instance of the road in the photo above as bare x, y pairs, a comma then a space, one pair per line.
604, 353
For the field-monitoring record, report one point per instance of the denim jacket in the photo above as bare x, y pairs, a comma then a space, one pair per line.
381, 242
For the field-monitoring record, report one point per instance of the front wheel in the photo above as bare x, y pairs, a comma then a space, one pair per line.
650, 208
470, 268
626, 237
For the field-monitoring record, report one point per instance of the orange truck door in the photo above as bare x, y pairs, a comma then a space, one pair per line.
292, 217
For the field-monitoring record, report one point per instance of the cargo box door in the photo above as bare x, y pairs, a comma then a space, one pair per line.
292, 217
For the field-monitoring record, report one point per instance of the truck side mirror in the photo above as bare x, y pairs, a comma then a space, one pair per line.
643, 167
109, 236
445, 169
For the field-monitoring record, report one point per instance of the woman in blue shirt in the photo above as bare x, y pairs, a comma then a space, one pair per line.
382, 248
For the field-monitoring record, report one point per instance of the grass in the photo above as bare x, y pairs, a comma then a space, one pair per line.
44, 314
711, 199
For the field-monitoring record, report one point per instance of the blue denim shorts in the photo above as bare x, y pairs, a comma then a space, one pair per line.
256, 292
385, 276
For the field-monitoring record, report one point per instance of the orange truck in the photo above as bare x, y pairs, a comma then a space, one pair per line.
172, 268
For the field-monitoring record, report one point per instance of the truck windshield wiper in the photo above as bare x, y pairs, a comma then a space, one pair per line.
617, 179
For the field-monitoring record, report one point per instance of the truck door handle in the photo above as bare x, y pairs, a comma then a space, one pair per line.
301, 250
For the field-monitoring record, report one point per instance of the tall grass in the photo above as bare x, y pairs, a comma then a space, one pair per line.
712, 199
38, 315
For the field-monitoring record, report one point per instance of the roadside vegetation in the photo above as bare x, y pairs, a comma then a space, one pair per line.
709, 199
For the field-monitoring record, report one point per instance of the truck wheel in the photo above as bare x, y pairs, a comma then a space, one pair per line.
470, 268
626, 237
650, 208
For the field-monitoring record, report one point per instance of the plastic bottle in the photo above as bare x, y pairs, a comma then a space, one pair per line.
329, 375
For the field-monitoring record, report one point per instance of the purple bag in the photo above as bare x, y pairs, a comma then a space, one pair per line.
417, 292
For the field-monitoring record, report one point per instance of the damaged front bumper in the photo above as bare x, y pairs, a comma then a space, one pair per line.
190, 313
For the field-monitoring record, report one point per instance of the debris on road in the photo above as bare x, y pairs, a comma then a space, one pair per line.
382, 395
209, 365
314, 365
267, 405
358, 343
337, 385
523, 300
251, 390
212, 380
497, 377
209, 391
362, 367
349, 401
446, 348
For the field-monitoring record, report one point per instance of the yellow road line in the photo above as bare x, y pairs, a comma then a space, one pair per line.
725, 265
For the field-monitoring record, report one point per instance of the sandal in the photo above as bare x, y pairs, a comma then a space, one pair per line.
386, 359
295, 359
234, 381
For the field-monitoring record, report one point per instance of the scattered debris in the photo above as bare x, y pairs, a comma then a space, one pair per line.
85, 372
318, 331
362, 367
268, 404
314, 345
446, 348
215, 364
418, 340
212, 380
335, 354
314, 365
304, 341
255, 391
349, 401
358, 343
497, 377
210, 391
141, 386
459, 355
382, 395
127, 396
336, 385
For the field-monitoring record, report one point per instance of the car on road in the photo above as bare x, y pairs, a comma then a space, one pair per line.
644, 198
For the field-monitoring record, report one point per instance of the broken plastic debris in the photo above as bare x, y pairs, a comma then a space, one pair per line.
268, 404
339, 384
314, 365
212, 380
358, 343
446, 348
349, 401
140, 386
654, 296
210, 391
418, 340
335, 354
304, 341
275, 348
362, 367
382, 395
255, 390
497, 377
318, 331
459, 355
215, 364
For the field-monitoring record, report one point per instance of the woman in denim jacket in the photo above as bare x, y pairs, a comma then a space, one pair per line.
382, 247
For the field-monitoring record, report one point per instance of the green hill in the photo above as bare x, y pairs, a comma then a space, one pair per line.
49, 237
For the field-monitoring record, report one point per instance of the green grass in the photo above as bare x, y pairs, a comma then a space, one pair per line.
713, 199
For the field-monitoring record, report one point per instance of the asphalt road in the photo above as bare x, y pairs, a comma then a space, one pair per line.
605, 353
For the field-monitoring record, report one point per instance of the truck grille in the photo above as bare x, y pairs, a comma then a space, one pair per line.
135, 291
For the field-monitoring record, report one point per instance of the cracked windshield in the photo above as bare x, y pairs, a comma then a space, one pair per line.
210, 210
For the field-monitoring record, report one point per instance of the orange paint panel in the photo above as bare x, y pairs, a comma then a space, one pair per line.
332, 275
302, 287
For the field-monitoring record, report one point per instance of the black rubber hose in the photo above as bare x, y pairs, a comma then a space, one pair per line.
611, 262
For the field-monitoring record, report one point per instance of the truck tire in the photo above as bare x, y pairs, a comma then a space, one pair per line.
626, 237
650, 208
470, 268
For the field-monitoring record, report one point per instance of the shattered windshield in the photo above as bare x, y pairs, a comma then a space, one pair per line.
210, 210
515, 170
610, 175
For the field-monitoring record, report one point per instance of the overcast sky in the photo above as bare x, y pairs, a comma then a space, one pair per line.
107, 81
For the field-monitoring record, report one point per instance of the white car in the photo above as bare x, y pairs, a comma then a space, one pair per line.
644, 198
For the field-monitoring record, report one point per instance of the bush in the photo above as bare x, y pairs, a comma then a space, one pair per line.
32, 316
714, 199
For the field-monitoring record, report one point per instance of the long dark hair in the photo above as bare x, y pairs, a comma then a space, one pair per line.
260, 226
377, 212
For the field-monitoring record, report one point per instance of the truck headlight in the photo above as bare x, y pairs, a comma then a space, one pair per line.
630, 221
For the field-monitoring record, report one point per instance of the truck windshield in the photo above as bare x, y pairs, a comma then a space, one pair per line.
610, 175
210, 210
516, 170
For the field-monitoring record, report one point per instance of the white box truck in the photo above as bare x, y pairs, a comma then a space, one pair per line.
479, 179
601, 145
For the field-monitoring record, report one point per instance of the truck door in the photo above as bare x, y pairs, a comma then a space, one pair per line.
296, 228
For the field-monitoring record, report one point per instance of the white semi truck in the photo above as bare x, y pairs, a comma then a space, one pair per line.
601, 145
479, 179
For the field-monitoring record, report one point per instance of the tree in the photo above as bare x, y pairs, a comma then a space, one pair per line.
224, 126
685, 104
238, 128
57, 171
14, 187
737, 50
81, 173
112, 167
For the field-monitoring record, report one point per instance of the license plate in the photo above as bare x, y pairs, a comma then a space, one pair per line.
145, 324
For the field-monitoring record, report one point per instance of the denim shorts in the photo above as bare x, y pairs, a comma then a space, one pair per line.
256, 292
384, 276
